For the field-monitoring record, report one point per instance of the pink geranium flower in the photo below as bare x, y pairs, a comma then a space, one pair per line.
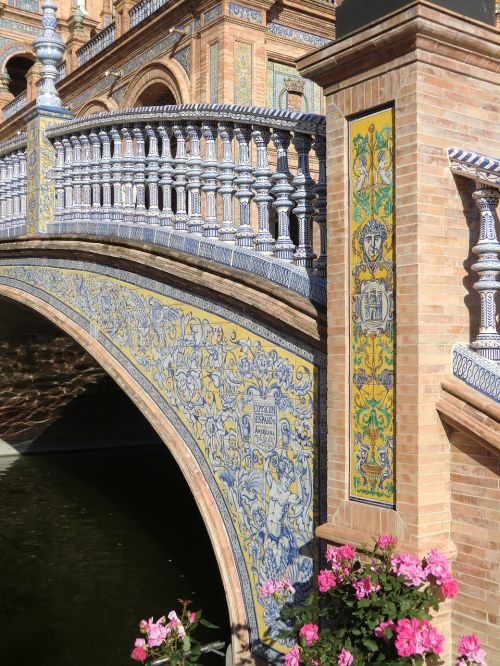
346, 552
449, 588
270, 587
379, 631
364, 587
139, 654
310, 633
157, 633
431, 640
292, 658
470, 648
345, 658
407, 637
437, 566
408, 566
326, 580
385, 541
174, 620
287, 585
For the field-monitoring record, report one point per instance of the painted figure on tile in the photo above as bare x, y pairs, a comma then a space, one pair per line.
372, 308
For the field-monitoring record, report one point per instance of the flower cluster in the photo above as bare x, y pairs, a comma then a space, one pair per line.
171, 639
372, 611
470, 651
272, 587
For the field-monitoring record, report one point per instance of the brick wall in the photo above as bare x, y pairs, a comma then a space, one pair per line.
475, 512
443, 96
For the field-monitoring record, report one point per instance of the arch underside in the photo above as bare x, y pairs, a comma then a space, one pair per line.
237, 402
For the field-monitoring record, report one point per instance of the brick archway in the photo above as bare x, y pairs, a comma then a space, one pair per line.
181, 453
97, 105
160, 80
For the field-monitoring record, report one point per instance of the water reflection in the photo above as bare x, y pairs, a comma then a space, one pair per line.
89, 543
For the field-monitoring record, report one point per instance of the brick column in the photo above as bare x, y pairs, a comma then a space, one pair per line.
439, 73
122, 16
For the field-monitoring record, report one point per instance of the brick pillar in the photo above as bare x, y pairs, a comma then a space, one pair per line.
40, 188
32, 78
5, 95
122, 16
438, 74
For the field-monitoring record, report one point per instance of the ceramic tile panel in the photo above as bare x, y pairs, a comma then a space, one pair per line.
277, 75
244, 399
242, 73
214, 72
372, 326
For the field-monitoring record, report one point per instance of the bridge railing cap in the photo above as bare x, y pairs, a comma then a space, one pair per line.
15, 143
306, 123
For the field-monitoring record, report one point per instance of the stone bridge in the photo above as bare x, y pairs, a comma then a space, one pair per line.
177, 248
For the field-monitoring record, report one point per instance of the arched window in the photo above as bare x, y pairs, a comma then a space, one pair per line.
157, 94
17, 68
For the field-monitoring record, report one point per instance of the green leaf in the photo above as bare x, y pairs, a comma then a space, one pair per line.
208, 624
370, 645
186, 643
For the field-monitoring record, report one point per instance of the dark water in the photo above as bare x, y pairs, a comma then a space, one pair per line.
91, 542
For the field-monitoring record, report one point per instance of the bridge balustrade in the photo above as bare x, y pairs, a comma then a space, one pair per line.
13, 185
97, 44
225, 176
13, 107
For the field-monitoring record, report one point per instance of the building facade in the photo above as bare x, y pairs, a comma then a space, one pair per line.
148, 53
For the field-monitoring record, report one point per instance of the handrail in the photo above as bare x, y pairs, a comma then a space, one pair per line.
97, 44
143, 9
241, 186
304, 123
15, 143
15, 105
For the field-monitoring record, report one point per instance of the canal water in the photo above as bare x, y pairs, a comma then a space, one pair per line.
93, 541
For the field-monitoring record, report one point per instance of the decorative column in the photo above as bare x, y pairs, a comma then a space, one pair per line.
106, 175
195, 222
49, 49
487, 343
85, 174
303, 196
282, 190
58, 179
180, 170
116, 175
226, 178
8, 190
209, 177
16, 196
319, 147
152, 167
67, 179
166, 170
244, 180
128, 175
22, 179
264, 242
76, 173
95, 175
139, 178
